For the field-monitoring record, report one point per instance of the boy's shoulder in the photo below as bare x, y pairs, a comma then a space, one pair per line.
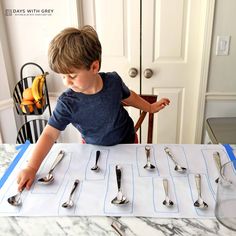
110, 76
67, 95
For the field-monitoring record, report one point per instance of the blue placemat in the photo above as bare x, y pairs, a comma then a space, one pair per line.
22, 148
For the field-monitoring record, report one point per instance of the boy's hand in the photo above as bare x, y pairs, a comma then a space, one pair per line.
159, 105
26, 178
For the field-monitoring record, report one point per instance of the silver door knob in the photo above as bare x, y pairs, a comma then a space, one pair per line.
148, 73
133, 72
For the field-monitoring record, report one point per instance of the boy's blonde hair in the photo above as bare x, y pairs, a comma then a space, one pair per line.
74, 48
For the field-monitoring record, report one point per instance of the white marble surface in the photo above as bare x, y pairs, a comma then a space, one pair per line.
28, 226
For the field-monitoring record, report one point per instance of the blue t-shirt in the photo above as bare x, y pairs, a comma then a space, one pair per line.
100, 118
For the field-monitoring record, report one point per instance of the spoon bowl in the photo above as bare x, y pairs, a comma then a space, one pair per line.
48, 179
122, 200
149, 166
180, 169
200, 203
95, 168
167, 202
15, 200
68, 204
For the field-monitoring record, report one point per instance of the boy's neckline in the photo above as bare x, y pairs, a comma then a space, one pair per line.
99, 89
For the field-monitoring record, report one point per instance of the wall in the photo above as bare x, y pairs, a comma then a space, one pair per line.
25, 38
221, 89
7, 121
26, 30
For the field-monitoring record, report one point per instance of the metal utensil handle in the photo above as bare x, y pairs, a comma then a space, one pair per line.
97, 156
148, 155
57, 160
118, 177
74, 187
217, 159
198, 183
170, 154
147, 152
165, 185
117, 229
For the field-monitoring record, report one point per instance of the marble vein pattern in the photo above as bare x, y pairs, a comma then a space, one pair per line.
7, 153
92, 226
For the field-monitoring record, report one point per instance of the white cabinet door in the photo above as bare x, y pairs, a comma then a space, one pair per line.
172, 44
165, 36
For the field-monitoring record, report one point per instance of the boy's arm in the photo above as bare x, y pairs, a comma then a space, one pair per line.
43, 146
41, 149
136, 101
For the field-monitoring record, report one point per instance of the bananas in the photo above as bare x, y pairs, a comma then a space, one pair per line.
37, 87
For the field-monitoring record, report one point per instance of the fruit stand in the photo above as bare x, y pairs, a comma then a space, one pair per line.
30, 97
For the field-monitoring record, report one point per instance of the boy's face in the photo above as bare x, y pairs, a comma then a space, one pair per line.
82, 80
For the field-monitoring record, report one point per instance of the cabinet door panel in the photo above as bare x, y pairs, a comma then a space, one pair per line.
118, 26
172, 49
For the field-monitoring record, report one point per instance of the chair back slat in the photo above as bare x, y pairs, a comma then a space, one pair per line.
151, 99
31, 131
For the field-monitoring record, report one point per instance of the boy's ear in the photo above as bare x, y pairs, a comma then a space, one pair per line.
95, 66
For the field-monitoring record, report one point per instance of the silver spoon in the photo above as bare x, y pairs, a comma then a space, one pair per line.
199, 203
148, 165
70, 203
216, 156
96, 167
178, 168
120, 198
49, 177
15, 200
167, 202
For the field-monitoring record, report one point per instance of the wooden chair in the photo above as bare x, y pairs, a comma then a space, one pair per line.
31, 130
151, 99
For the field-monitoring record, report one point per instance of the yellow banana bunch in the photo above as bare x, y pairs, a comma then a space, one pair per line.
37, 87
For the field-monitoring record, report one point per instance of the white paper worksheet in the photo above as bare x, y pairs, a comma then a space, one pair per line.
143, 188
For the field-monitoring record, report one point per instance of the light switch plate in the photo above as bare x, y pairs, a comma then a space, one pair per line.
222, 45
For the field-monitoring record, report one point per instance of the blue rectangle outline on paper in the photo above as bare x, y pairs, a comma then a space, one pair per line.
22, 148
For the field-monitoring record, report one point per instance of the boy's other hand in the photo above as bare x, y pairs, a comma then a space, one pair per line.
159, 105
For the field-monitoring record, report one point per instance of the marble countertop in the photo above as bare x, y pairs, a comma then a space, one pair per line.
25, 226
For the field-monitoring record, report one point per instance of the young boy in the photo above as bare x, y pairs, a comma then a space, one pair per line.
92, 102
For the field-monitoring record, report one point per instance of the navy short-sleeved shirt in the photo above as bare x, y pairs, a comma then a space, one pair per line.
100, 117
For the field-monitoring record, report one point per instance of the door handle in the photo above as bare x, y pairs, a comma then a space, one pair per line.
148, 73
133, 72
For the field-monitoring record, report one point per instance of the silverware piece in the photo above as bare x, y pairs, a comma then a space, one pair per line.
70, 203
117, 228
120, 198
15, 200
199, 203
148, 165
96, 167
167, 202
217, 159
49, 177
216, 156
178, 168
